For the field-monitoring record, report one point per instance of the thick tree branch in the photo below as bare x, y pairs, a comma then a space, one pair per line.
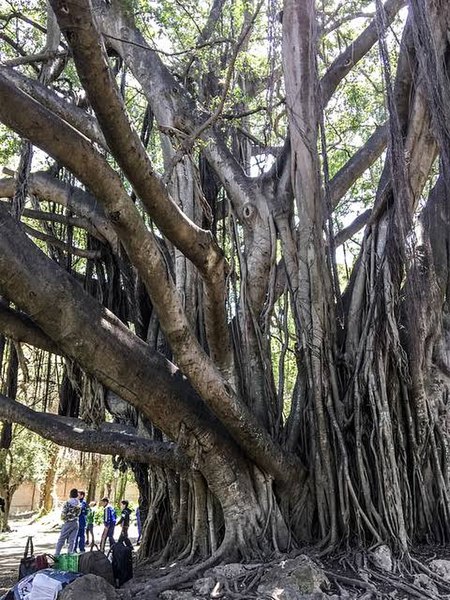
358, 163
21, 328
77, 23
173, 108
48, 188
51, 217
349, 231
106, 348
33, 58
78, 435
345, 62
51, 240
25, 116
198, 245
75, 116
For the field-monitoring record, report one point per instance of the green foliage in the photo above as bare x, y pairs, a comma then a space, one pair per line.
25, 460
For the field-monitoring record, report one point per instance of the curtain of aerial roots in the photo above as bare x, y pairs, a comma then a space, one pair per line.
381, 449
429, 321
183, 521
390, 442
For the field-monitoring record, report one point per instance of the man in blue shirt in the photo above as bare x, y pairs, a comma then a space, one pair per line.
80, 543
109, 521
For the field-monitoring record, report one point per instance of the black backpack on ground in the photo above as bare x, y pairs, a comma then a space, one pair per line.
96, 563
122, 561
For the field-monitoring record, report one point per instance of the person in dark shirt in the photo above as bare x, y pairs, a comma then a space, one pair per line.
124, 520
2, 514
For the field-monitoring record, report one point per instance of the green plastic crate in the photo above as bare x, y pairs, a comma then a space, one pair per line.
67, 562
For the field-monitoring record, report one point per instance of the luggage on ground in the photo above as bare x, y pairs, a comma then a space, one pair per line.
24, 589
30, 563
122, 562
96, 563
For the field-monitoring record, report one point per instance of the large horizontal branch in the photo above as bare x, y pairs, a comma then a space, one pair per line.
76, 434
72, 114
104, 347
21, 328
48, 188
355, 226
33, 58
53, 241
34, 122
345, 62
358, 163
51, 217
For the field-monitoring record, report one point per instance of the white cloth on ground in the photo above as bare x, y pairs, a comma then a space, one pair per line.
44, 588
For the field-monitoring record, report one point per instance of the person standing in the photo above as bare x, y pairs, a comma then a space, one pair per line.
124, 520
90, 523
80, 541
139, 525
109, 522
69, 515
2, 514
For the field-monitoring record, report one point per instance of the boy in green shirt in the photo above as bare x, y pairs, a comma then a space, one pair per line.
90, 523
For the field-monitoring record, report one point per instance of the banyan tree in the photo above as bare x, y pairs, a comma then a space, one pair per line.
181, 186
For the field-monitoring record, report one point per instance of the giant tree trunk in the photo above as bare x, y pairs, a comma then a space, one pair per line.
352, 455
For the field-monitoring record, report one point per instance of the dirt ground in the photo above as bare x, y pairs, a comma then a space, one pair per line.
45, 535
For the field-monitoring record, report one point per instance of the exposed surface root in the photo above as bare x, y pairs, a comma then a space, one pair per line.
350, 576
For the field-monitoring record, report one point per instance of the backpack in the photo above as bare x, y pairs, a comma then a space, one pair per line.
122, 562
96, 563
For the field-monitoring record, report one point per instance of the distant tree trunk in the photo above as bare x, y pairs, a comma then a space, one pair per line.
48, 488
7, 492
93, 475
121, 486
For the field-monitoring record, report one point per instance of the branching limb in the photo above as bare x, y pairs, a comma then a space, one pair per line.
82, 203
349, 231
345, 62
198, 245
50, 217
77, 23
21, 328
34, 58
169, 101
52, 241
64, 144
187, 144
76, 434
359, 162
75, 116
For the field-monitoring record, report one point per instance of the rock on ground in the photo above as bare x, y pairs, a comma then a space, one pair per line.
300, 575
382, 558
90, 587
441, 567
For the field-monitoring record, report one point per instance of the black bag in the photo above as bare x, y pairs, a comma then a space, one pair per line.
29, 563
122, 562
96, 563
